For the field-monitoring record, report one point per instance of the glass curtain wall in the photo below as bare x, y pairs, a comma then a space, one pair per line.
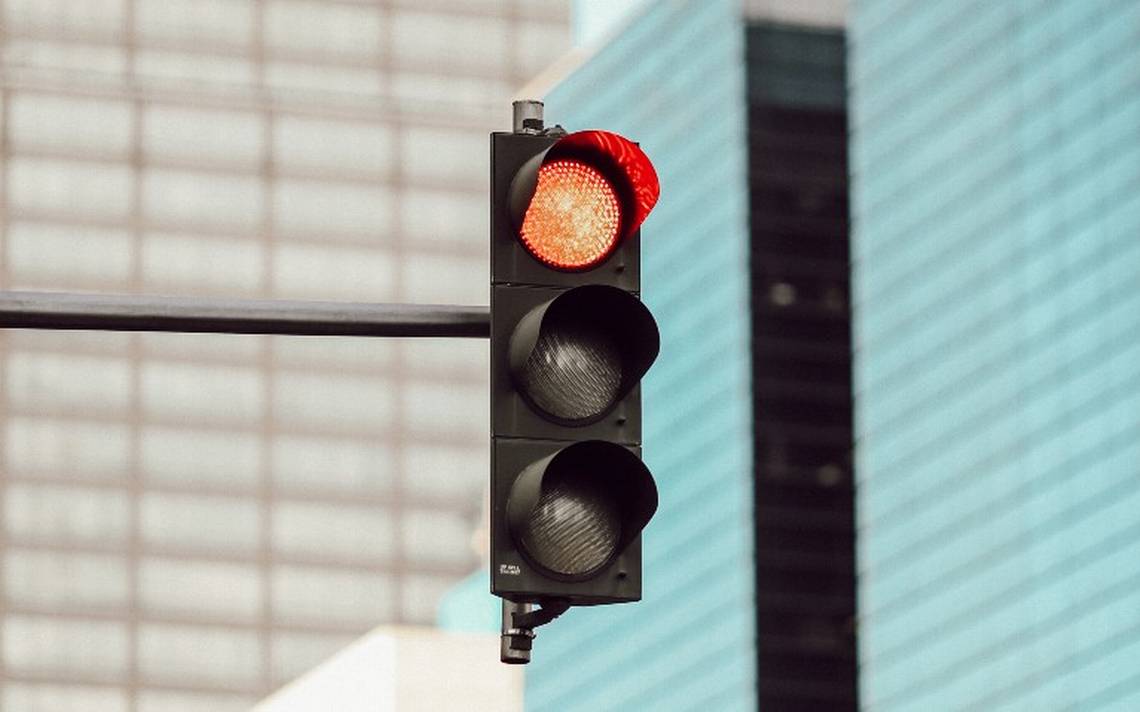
996, 159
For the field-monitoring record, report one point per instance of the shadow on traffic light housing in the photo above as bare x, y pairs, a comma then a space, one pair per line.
570, 343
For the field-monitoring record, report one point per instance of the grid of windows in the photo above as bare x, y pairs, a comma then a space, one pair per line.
996, 159
190, 521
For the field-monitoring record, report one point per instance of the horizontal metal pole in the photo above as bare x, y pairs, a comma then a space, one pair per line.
103, 312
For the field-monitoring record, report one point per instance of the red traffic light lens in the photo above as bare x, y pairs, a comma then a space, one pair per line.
574, 219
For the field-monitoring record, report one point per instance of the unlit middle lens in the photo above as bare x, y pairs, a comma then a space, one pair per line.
573, 372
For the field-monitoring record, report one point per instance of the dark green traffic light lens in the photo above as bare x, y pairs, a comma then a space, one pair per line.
573, 513
574, 372
575, 527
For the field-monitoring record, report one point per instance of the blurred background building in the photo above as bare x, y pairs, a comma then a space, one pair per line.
672, 77
996, 242
801, 367
407, 668
749, 562
191, 521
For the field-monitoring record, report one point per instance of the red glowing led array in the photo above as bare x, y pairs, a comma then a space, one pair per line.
574, 219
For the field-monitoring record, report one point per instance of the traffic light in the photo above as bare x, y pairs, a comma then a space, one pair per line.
570, 342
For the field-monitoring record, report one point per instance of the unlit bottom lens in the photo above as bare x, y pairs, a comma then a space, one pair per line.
575, 527
574, 371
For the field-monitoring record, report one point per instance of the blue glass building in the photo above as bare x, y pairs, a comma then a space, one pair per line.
996, 241
749, 589
689, 643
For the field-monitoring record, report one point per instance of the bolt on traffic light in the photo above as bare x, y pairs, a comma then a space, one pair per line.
570, 342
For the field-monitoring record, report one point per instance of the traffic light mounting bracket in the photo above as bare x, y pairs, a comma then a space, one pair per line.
519, 622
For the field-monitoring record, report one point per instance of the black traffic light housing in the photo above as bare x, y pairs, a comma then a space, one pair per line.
569, 345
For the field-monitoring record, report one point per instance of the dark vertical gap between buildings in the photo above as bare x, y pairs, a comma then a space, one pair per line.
801, 369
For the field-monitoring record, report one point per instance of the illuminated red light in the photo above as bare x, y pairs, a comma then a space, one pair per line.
574, 219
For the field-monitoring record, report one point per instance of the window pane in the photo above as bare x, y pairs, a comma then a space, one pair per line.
421, 596
452, 44
206, 393
326, 79
204, 347
65, 514
63, 188
333, 353
195, 67
353, 404
453, 155
191, 134
87, 18
69, 56
201, 524
179, 262
190, 457
333, 531
48, 382
327, 596
456, 358
324, 210
67, 448
50, 255
538, 44
40, 121
232, 591
362, 275
428, 88
313, 27
323, 464
155, 701
457, 409
446, 472
62, 698
109, 343
228, 22
444, 218
204, 200
50, 645
434, 279
59, 582
438, 536
175, 654
331, 148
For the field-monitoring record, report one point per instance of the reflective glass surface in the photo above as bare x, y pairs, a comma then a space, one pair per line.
673, 80
996, 158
